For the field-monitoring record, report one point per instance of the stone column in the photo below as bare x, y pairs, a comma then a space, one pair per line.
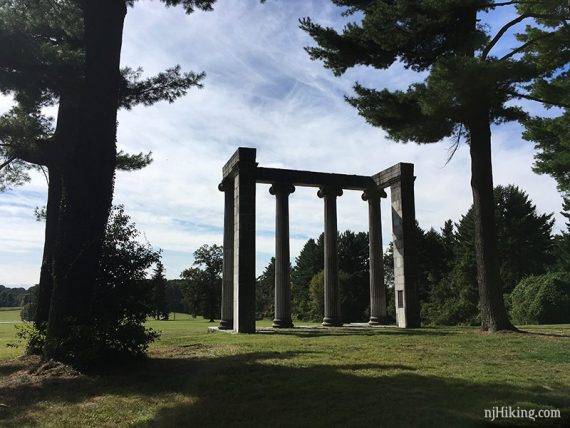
282, 255
377, 287
227, 321
332, 297
244, 240
405, 251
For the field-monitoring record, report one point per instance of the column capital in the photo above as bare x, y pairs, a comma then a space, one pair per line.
280, 188
373, 194
329, 191
225, 185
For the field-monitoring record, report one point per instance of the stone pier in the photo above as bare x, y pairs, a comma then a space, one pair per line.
400, 178
282, 255
332, 293
227, 318
241, 168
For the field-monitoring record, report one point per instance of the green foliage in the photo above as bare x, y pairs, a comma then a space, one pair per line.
352, 261
12, 297
158, 294
542, 299
31, 336
307, 264
175, 296
203, 289
29, 301
524, 248
552, 138
317, 293
353, 308
123, 301
265, 292
454, 299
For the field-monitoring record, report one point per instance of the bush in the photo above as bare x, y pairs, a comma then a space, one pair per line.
542, 299
454, 299
31, 336
122, 302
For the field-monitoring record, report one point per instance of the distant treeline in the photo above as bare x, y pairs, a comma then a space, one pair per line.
12, 297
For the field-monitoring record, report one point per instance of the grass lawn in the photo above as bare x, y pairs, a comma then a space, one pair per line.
380, 377
9, 317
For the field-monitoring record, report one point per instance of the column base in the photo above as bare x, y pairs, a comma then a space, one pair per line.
378, 321
226, 325
278, 323
331, 322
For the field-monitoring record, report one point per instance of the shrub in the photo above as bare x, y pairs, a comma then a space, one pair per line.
122, 302
542, 299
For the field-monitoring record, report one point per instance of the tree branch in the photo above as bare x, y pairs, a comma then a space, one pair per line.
502, 31
512, 23
8, 162
524, 46
38, 153
531, 98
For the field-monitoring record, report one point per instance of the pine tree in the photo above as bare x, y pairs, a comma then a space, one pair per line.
467, 87
68, 53
265, 292
158, 283
309, 262
525, 247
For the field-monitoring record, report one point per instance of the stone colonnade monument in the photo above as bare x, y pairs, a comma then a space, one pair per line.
240, 176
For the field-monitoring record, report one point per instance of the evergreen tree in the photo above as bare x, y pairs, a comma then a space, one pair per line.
265, 292
552, 138
68, 53
309, 262
354, 287
354, 276
203, 292
466, 89
158, 283
524, 248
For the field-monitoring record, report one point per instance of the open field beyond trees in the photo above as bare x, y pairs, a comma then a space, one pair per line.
348, 377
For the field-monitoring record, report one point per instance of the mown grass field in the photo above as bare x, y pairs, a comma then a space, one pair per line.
432, 377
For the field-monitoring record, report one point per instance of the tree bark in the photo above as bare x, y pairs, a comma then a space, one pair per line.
65, 135
493, 313
87, 175
46, 274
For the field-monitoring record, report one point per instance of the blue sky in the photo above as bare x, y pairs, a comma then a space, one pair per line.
261, 91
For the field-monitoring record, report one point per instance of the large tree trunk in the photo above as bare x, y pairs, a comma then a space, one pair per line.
65, 135
46, 274
87, 175
493, 314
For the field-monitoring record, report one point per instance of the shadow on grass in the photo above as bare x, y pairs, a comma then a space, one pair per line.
261, 389
536, 333
11, 366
